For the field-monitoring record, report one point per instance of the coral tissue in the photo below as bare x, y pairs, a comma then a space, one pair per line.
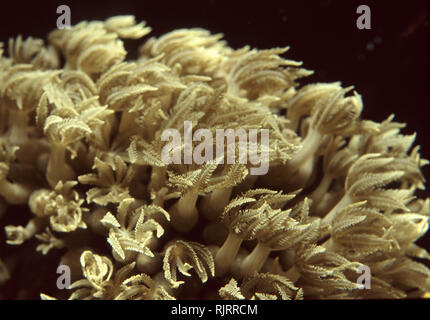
81, 148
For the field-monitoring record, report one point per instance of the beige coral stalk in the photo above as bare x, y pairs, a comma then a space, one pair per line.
4, 273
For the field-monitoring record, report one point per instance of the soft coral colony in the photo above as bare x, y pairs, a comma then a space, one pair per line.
81, 147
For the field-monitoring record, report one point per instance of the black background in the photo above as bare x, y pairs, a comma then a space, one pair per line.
393, 77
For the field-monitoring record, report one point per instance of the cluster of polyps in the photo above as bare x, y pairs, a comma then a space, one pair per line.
125, 171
